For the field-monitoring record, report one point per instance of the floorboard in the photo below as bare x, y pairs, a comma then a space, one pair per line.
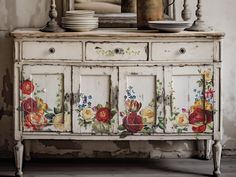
119, 168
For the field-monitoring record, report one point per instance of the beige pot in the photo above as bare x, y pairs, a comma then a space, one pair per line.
149, 10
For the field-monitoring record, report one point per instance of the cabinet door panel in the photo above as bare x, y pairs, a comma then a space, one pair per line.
140, 100
45, 101
189, 99
95, 105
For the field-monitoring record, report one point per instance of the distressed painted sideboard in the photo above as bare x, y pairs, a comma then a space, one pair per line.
117, 84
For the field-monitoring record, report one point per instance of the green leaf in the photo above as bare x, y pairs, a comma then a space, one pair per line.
124, 134
50, 116
57, 110
179, 130
113, 112
161, 125
121, 127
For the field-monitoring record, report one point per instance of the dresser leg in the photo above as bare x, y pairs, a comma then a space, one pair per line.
18, 151
27, 144
217, 148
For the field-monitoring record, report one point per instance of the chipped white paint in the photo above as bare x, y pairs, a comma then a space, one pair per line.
9, 20
149, 97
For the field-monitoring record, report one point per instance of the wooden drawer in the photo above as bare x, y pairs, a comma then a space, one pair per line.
112, 51
52, 50
183, 51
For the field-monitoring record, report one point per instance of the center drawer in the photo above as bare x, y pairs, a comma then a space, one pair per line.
116, 51
35, 50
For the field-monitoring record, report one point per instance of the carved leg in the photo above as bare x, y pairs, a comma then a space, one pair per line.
217, 148
18, 150
27, 144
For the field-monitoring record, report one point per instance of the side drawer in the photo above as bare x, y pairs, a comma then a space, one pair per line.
112, 51
183, 51
52, 50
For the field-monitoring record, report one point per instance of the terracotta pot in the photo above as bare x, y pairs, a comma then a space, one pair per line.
149, 10
128, 6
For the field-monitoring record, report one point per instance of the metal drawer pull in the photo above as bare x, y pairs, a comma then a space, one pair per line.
182, 50
52, 50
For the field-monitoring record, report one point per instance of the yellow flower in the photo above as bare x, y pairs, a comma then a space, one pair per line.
181, 120
199, 104
87, 114
208, 75
41, 105
62, 123
148, 115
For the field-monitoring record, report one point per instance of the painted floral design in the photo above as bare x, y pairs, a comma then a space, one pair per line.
35, 121
118, 51
139, 119
103, 115
37, 114
96, 118
133, 122
29, 105
148, 115
27, 87
198, 116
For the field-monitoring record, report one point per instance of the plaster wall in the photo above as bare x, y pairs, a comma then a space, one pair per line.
33, 13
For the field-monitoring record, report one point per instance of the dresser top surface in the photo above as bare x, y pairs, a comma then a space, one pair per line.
112, 32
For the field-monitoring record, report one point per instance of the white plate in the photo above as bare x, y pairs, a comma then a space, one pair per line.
169, 26
81, 29
79, 18
79, 12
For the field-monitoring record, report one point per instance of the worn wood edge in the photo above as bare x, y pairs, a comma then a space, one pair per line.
111, 32
74, 136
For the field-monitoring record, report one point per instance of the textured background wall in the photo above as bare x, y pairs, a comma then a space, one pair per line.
33, 13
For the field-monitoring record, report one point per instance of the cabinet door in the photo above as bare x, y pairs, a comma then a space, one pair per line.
95, 100
45, 100
141, 100
189, 99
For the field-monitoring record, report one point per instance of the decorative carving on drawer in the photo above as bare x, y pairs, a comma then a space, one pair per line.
116, 51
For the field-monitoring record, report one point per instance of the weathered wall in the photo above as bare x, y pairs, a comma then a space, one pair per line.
33, 13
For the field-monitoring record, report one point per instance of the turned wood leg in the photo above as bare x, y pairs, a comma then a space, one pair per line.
18, 151
217, 148
27, 145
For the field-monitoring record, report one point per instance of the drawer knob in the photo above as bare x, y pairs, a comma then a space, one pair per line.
52, 50
119, 51
182, 50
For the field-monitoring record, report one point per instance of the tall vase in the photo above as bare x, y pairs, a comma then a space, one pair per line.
128, 6
149, 10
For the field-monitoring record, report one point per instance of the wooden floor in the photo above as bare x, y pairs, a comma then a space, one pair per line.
120, 168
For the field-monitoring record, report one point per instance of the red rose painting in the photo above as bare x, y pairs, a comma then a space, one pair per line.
29, 105
200, 118
103, 115
133, 122
27, 87
35, 121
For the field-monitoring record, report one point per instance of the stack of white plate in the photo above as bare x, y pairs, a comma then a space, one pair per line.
80, 20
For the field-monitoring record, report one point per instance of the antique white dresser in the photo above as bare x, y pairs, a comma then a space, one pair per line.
117, 84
